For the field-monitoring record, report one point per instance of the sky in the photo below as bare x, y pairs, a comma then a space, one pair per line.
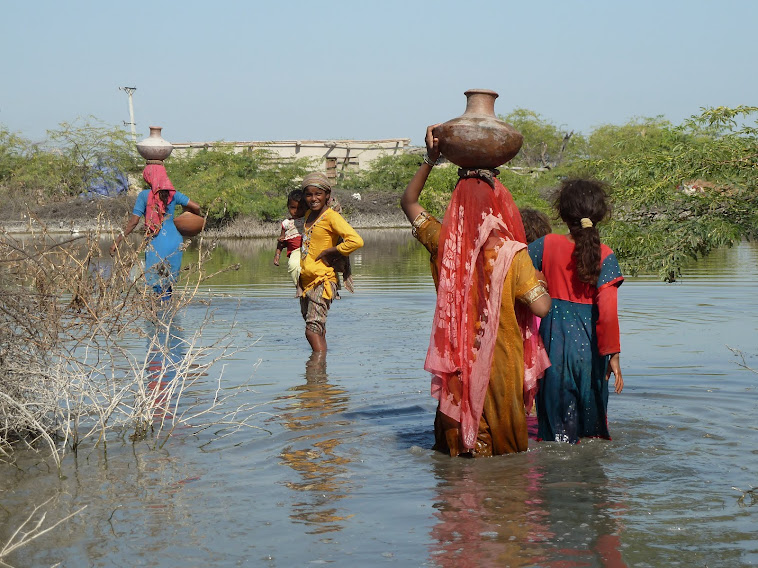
366, 69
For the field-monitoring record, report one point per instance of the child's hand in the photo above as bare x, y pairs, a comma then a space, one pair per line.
328, 256
614, 366
325, 258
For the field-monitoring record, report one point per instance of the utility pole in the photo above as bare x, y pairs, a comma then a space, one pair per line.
129, 91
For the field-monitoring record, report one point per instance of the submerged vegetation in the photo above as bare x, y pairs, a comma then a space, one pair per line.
680, 191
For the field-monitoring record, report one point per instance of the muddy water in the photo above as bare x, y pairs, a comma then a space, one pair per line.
338, 470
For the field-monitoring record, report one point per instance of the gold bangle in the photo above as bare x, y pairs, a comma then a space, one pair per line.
420, 219
534, 294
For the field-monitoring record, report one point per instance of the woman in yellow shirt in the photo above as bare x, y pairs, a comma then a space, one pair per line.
321, 248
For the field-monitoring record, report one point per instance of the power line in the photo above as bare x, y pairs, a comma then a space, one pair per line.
129, 91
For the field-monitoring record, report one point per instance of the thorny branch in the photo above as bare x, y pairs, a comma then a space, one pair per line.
743, 362
88, 353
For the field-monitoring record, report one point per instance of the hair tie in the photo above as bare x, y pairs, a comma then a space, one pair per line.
586, 222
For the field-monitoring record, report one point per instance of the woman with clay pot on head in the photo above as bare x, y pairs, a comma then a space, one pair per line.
487, 289
163, 251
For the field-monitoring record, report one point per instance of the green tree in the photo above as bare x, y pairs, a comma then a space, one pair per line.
228, 184
387, 173
680, 191
11, 153
545, 145
58, 168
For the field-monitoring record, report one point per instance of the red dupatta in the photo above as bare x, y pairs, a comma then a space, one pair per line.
481, 233
155, 175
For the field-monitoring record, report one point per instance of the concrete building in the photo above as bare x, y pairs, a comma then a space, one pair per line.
329, 156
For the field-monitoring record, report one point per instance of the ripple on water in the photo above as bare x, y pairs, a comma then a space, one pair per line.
340, 469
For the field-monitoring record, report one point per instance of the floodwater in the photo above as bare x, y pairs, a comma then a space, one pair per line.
339, 471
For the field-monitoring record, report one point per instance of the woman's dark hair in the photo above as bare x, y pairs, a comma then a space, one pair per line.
295, 195
579, 199
163, 195
536, 224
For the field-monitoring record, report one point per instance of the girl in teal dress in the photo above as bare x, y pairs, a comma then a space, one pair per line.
581, 330
163, 250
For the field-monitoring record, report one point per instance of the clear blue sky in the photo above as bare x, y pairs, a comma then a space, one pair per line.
282, 70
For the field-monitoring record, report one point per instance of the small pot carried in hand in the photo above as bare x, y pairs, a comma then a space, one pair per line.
189, 224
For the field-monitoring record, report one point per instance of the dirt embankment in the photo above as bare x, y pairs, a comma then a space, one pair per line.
378, 209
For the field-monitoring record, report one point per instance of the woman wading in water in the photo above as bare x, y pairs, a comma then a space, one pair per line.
163, 251
581, 331
486, 289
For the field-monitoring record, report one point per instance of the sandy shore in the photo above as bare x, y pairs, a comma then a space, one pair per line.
374, 210
239, 228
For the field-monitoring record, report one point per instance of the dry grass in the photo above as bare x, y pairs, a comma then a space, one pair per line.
69, 370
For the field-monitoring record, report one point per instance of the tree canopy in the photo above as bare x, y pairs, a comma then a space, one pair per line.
677, 191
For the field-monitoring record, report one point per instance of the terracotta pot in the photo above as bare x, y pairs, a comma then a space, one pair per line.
188, 224
154, 148
477, 138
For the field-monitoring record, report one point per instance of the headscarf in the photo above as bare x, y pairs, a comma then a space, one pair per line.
480, 235
316, 179
155, 175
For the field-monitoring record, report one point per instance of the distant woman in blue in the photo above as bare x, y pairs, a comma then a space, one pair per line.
163, 250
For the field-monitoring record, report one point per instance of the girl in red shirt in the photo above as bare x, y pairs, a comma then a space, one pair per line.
581, 330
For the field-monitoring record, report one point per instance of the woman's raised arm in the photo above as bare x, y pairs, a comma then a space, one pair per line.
409, 200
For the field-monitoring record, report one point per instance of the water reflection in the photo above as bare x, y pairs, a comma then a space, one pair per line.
516, 511
392, 254
165, 355
581, 509
486, 516
665, 485
313, 410
145, 502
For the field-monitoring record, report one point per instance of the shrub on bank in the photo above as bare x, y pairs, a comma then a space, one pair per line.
228, 184
61, 167
650, 165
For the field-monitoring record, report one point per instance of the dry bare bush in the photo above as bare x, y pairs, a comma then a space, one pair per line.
30, 529
89, 353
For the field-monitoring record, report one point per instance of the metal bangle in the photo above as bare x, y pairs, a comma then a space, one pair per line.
535, 293
416, 224
428, 160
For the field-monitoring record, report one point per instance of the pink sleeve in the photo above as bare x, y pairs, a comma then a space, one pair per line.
608, 336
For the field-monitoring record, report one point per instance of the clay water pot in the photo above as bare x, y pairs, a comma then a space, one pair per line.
154, 148
189, 224
477, 138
